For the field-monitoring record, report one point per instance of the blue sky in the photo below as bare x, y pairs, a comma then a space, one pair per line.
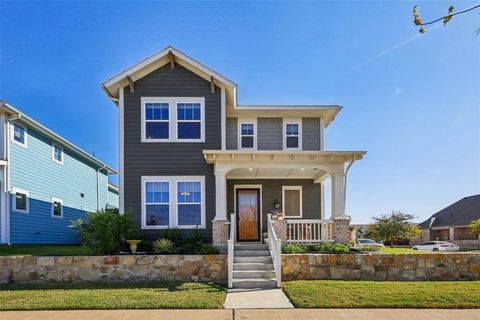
412, 101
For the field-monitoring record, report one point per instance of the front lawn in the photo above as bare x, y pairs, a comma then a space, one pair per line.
402, 250
43, 250
387, 294
151, 295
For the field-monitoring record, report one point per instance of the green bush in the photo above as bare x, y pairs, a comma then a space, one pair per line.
196, 247
171, 234
329, 247
106, 231
295, 248
164, 246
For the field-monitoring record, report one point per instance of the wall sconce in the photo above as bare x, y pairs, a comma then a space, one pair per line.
276, 204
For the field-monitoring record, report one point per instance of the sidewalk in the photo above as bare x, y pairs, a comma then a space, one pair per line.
257, 299
246, 314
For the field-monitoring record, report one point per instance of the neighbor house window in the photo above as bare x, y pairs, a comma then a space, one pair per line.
173, 201
247, 136
20, 200
157, 121
19, 134
292, 201
57, 153
57, 208
166, 119
292, 134
189, 121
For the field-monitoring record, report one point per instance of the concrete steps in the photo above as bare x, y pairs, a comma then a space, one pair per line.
253, 267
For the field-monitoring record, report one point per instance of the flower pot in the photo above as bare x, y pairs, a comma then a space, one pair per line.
133, 245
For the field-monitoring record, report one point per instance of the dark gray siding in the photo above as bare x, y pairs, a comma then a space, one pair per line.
232, 134
272, 190
163, 159
311, 134
270, 134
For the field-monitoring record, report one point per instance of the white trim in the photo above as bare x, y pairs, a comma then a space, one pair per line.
121, 138
297, 121
223, 112
173, 201
252, 121
53, 152
14, 205
299, 188
25, 134
248, 186
61, 208
172, 118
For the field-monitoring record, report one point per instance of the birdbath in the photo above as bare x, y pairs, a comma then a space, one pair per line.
133, 245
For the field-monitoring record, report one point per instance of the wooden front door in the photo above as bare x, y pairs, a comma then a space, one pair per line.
248, 209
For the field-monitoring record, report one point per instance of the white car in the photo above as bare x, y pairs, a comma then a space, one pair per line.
367, 242
436, 246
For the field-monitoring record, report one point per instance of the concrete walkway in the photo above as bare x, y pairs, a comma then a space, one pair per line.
257, 299
245, 314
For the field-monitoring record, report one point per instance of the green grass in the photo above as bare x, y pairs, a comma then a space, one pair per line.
389, 294
43, 250
151, 295
402, 250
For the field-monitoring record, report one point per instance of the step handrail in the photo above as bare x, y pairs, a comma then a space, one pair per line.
275, 246
231, 248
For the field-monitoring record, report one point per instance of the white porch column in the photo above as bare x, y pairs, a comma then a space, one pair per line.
338, 194
220, 195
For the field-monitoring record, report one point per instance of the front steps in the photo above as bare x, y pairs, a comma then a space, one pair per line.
253, 267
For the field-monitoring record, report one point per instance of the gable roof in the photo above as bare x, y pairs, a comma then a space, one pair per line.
461, 213
52, 135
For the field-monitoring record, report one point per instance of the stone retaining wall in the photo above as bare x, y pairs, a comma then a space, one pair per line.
184, 268
382, 267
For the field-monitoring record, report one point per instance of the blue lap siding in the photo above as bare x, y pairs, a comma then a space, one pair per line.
32, 169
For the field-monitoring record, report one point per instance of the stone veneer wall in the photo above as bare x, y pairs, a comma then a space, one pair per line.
382, 267
183, 268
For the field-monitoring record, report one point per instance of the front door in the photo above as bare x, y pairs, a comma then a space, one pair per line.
248, 208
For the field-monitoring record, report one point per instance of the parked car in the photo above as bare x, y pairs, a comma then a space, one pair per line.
367, 242
437, 246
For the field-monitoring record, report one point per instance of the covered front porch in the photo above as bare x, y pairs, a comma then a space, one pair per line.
249, 185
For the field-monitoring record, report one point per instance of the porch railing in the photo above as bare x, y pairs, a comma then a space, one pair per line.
275, 246
309, 231
231, 247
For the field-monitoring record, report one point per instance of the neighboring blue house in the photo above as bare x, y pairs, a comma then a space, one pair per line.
46, 182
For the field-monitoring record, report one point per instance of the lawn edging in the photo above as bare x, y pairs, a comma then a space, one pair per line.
181, 268
382, 267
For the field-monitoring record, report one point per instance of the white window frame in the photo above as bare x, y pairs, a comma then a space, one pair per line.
298, 122
173, 200
172, 117
247, 121
12, 134
53, 206
14, 200
299, 188
53, 152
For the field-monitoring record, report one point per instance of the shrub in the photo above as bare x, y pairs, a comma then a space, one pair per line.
368, 248
329, 247
171, 234
197, 247
295, 248
106, 231
163, 246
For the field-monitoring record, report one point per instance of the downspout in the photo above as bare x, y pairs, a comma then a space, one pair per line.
7, 186
345, 184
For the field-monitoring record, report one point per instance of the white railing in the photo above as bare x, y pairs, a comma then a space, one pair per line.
231, 247
275, 246
309, 231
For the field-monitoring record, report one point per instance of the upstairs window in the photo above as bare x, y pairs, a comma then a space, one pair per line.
19, 134
247, 136
156, 121
157, 203
189, 121
20, 200
57, 153
57, 208
292, 134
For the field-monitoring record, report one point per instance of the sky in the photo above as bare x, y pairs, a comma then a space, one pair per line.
411, 101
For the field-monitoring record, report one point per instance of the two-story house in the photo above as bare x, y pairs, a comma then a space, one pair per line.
46, 182
190, 154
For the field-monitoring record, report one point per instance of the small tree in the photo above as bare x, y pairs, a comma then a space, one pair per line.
393, 226
475, 228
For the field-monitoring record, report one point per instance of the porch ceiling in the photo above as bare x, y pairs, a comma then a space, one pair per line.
273, 173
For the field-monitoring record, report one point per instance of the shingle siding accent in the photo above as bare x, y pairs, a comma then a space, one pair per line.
272, 190
232, 134
269, 134
169, 158
311, 133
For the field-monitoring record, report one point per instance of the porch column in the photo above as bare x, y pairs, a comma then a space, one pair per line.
220, 223
338, 194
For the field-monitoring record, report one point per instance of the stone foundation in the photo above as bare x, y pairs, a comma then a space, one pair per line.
341, 229
382, 267
183, 268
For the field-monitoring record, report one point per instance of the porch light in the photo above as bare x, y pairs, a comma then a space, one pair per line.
302, 169
276, 204
250, 169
